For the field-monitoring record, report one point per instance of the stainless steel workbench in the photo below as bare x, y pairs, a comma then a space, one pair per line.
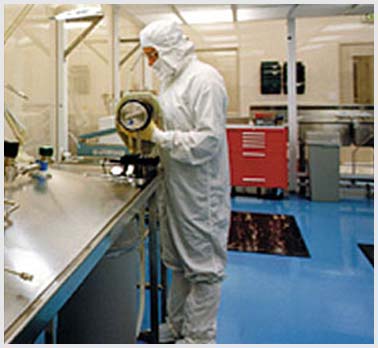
63, 227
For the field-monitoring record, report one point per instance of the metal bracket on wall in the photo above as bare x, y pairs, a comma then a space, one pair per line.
129, 55
17, 22
83, 35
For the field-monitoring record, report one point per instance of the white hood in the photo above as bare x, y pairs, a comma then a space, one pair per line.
167, 37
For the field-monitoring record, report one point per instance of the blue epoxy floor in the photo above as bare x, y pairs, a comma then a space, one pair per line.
327, 298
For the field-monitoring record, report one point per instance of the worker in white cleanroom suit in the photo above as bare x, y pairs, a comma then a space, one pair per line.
195, 193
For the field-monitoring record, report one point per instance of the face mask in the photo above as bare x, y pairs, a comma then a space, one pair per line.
163, 70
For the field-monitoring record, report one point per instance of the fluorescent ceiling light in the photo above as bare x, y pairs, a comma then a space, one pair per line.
224, 45
246, 14
261, 12
207, 16
78, 13
227, 38
345, 26
325, 38
215, 27
148, 18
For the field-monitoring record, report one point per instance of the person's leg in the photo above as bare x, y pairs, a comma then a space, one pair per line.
201, 310
179, 289
177, 297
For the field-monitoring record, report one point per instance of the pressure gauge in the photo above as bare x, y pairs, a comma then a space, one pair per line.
134, 115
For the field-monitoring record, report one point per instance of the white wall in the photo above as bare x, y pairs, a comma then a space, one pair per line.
262, 41
259, 42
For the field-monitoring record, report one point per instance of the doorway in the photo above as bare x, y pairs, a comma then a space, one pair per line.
363, 72
356, 73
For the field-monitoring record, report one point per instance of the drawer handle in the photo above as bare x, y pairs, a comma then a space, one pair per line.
256, 134
253, 135
254, 180
253, 146
254, 154
257, 141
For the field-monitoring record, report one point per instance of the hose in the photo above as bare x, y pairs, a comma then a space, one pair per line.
126, 247
142, 278
142, 289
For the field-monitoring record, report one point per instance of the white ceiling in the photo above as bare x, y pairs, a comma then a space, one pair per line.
217, 25
227, 31
201, 14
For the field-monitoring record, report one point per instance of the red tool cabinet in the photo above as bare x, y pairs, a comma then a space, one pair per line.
258, 156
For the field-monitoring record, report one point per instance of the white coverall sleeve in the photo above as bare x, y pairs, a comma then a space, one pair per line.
208, 103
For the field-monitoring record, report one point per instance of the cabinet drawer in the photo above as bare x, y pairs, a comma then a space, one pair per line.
258, 157
248, 180
253, 172
253, 140
260, 180
256, 167
243, 139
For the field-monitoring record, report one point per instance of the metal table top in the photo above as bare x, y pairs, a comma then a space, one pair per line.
55, 223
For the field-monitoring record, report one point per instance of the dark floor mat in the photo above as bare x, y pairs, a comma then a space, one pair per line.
368, 250
266, 233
